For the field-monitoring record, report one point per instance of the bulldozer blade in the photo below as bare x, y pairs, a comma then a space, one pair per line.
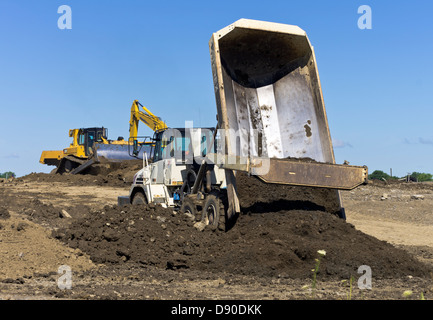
118, 152
84, 166
68, 164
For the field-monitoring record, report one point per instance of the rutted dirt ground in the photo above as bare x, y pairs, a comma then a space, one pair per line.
148, 252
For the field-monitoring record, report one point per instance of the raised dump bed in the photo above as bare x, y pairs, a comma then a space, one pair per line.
271, 115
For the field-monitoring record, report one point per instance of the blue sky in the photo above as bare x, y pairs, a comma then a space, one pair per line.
376, 83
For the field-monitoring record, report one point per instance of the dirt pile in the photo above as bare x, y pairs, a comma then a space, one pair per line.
114, 234
278, 234
112, 174
49, 215
27, 249
275, 244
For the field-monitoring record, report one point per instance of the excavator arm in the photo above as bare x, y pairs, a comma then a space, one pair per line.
152, 121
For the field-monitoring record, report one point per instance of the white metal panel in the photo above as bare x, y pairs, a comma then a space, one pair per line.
268, 92
299, 129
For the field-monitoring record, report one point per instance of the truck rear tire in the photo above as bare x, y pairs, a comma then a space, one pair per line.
213, 213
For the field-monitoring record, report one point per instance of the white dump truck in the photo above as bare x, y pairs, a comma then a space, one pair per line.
272, 124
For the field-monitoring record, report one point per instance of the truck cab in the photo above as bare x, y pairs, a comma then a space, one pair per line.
170, 173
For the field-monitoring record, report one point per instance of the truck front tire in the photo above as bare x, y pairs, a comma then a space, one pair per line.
139, 198
189, 208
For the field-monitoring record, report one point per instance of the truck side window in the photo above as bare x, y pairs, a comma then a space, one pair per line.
203, 146
168, 151
157, 154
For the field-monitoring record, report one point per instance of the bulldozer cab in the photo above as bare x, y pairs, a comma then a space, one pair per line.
88, 136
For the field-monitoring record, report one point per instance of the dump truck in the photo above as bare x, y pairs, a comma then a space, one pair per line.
91, 145
271, 124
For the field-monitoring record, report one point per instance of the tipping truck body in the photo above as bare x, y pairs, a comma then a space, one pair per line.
271, 108
272, 124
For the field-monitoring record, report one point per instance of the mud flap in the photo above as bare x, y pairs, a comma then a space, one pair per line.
233, 200
123, 200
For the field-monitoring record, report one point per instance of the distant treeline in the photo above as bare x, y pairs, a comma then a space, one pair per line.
7, 175
414, 176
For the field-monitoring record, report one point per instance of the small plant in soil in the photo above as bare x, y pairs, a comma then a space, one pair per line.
321, 253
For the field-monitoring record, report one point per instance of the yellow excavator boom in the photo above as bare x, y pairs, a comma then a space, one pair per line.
147, 117
152, 121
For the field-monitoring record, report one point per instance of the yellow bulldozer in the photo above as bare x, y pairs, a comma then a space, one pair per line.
91, 145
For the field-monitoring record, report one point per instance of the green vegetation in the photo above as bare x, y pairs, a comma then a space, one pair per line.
379, 175
350, 285
422, 176
321, 253
414, 176
7, 175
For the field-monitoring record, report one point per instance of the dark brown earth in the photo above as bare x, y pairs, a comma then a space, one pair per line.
147, 252
281, 242
112, 174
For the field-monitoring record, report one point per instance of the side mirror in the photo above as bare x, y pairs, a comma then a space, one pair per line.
135, 146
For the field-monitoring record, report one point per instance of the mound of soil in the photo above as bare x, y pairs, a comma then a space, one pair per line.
278, 234
27, 250
106, 173
275, 244
49, 215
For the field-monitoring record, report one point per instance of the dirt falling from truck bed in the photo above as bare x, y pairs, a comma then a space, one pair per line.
256, 196
271, 238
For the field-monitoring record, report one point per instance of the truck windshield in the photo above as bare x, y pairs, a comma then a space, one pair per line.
182, 144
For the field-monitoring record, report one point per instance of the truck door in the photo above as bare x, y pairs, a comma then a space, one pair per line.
164, 148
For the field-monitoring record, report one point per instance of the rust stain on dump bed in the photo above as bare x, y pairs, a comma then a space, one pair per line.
308, 129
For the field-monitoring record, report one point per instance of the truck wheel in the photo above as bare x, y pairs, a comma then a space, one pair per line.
189, 208
139, 198
213, 213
